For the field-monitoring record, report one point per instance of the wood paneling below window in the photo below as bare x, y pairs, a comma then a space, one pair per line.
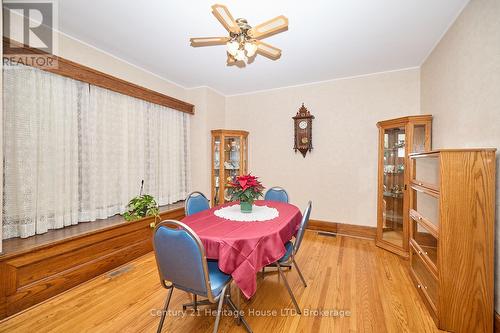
32, 271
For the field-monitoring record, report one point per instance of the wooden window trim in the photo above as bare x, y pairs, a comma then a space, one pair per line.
86, 74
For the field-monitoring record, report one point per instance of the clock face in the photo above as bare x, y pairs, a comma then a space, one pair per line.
303, 124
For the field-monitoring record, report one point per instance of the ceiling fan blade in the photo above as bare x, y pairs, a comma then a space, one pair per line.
225, 18
268, 51
208, 41
268, 28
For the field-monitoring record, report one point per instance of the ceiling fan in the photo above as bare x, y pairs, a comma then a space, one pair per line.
244, 41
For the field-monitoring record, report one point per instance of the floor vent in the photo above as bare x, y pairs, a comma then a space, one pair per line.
328, 234
120, 271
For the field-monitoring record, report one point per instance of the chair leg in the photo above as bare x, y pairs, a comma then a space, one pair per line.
195, 302
165, 308
235, 309
219, 309
300, 273
289, 289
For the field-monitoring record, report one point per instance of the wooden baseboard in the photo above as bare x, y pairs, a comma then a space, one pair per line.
497, 322
31, 276
322, 226
343, 229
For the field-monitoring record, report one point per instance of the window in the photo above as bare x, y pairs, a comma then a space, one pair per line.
75, 152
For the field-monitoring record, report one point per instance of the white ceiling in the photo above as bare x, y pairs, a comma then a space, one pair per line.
326, 39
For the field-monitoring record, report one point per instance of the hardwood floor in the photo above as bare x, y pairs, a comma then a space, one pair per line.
373, 286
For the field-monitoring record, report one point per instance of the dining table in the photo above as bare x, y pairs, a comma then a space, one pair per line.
244, 243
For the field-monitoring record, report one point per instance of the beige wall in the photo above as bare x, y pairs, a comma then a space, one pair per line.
210, 109
87, 55
460, 84
340, 175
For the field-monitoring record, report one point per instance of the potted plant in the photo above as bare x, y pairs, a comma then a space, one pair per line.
245, 189
141, 206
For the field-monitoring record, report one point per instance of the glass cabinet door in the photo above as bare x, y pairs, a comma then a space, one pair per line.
216, 169
229, 159
393, 185
420, 138
398, 138
232, 154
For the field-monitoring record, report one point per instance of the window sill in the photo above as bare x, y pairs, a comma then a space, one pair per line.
16, 246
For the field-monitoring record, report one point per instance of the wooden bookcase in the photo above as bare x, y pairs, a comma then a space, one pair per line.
229, 159
452, 219
397, 138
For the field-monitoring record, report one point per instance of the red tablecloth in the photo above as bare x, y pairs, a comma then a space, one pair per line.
243, 248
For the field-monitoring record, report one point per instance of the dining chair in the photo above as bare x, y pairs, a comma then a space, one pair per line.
276, 194
190, 272
291, 251
195, 202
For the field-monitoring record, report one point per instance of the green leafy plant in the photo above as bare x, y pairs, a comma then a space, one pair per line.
141, 206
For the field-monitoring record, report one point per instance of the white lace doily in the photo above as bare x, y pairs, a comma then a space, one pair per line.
259, 213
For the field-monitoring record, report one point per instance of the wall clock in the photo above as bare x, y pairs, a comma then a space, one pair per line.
303, 130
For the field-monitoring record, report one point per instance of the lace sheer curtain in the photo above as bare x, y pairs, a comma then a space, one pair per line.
74, 152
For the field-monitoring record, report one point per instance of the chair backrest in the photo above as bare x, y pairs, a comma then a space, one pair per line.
195, 202
276, 194
188, 271
303, 227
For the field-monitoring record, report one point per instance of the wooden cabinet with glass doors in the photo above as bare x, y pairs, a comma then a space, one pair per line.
452, 236
397, 138
229, 159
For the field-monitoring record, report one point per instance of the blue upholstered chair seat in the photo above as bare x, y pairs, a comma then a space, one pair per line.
218, 279
288, 253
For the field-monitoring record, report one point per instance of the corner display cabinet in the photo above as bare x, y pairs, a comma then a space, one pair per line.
229, 159
397, 139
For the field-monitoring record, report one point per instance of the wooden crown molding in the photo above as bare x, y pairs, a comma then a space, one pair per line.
86, 74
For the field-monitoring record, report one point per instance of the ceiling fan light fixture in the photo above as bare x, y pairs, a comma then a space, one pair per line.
244, 41
251, 48
232, 47
240, 55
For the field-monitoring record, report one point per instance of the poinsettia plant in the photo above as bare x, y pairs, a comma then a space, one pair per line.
245, 188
